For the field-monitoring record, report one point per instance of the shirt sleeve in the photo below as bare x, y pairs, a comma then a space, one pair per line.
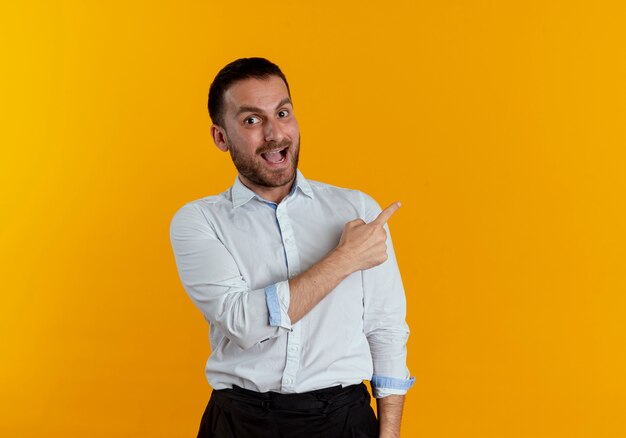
385, 318
214, 283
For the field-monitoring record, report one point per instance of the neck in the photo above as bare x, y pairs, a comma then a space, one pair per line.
273, 194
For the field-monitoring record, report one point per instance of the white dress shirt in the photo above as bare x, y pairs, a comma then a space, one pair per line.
235, 253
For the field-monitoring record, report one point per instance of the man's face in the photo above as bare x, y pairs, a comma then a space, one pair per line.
261, 131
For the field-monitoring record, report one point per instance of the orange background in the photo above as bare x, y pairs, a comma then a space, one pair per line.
500, 125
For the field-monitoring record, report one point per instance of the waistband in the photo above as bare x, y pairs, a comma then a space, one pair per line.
321, 400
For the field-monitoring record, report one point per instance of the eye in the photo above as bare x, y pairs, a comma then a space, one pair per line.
252, 120
283, 113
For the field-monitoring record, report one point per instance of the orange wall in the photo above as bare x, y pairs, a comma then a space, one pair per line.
500, 125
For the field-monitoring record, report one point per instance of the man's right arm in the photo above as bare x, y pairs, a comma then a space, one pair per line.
362, 246
213, 281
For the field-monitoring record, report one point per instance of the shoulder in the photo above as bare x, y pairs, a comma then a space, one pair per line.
328, 190
198, 213
364, 203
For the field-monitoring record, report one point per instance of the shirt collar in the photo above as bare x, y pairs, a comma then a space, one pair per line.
241, 194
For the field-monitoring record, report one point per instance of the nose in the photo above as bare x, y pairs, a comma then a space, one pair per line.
272, 131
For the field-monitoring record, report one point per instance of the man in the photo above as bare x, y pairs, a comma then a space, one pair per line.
297, 280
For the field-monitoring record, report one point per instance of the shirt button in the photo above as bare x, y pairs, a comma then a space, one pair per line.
293, 348
288, 380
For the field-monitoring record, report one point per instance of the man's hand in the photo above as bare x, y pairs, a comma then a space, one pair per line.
363, 246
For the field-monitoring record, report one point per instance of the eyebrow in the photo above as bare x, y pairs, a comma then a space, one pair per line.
254, 109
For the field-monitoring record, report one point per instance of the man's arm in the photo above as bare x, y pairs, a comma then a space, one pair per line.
212, 279
390, 415
214, 282
387, 333
362, 246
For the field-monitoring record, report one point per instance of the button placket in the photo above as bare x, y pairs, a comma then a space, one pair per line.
293, 268
293, 359
289, 243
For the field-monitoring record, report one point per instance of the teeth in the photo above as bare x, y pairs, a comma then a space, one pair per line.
275, 156
275, 150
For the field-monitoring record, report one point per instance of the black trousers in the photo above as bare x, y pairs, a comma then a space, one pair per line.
327, 413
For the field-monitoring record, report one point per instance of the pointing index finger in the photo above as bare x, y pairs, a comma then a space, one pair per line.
386, 214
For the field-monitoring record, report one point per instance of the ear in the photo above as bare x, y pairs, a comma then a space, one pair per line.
219, 137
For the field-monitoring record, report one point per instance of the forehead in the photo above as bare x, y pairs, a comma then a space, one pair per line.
260, 93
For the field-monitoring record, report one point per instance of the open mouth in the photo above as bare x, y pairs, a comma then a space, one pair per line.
276, 156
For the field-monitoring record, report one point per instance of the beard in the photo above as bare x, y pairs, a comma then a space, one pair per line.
252, 168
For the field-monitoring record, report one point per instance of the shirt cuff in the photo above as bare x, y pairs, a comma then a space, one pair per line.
382, 386
277, 298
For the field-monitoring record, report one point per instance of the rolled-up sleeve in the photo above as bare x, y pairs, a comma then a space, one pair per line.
385, 319
214, 283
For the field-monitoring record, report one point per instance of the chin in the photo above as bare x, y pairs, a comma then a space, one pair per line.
285, 178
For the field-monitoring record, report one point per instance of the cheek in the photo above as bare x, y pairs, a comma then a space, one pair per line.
294, 130
248, 141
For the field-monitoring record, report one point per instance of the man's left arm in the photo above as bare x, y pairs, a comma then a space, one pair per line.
387, 333
390, 415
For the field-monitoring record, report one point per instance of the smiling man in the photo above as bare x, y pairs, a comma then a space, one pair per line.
297, 279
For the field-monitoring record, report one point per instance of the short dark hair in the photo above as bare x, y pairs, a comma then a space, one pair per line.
243, 68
